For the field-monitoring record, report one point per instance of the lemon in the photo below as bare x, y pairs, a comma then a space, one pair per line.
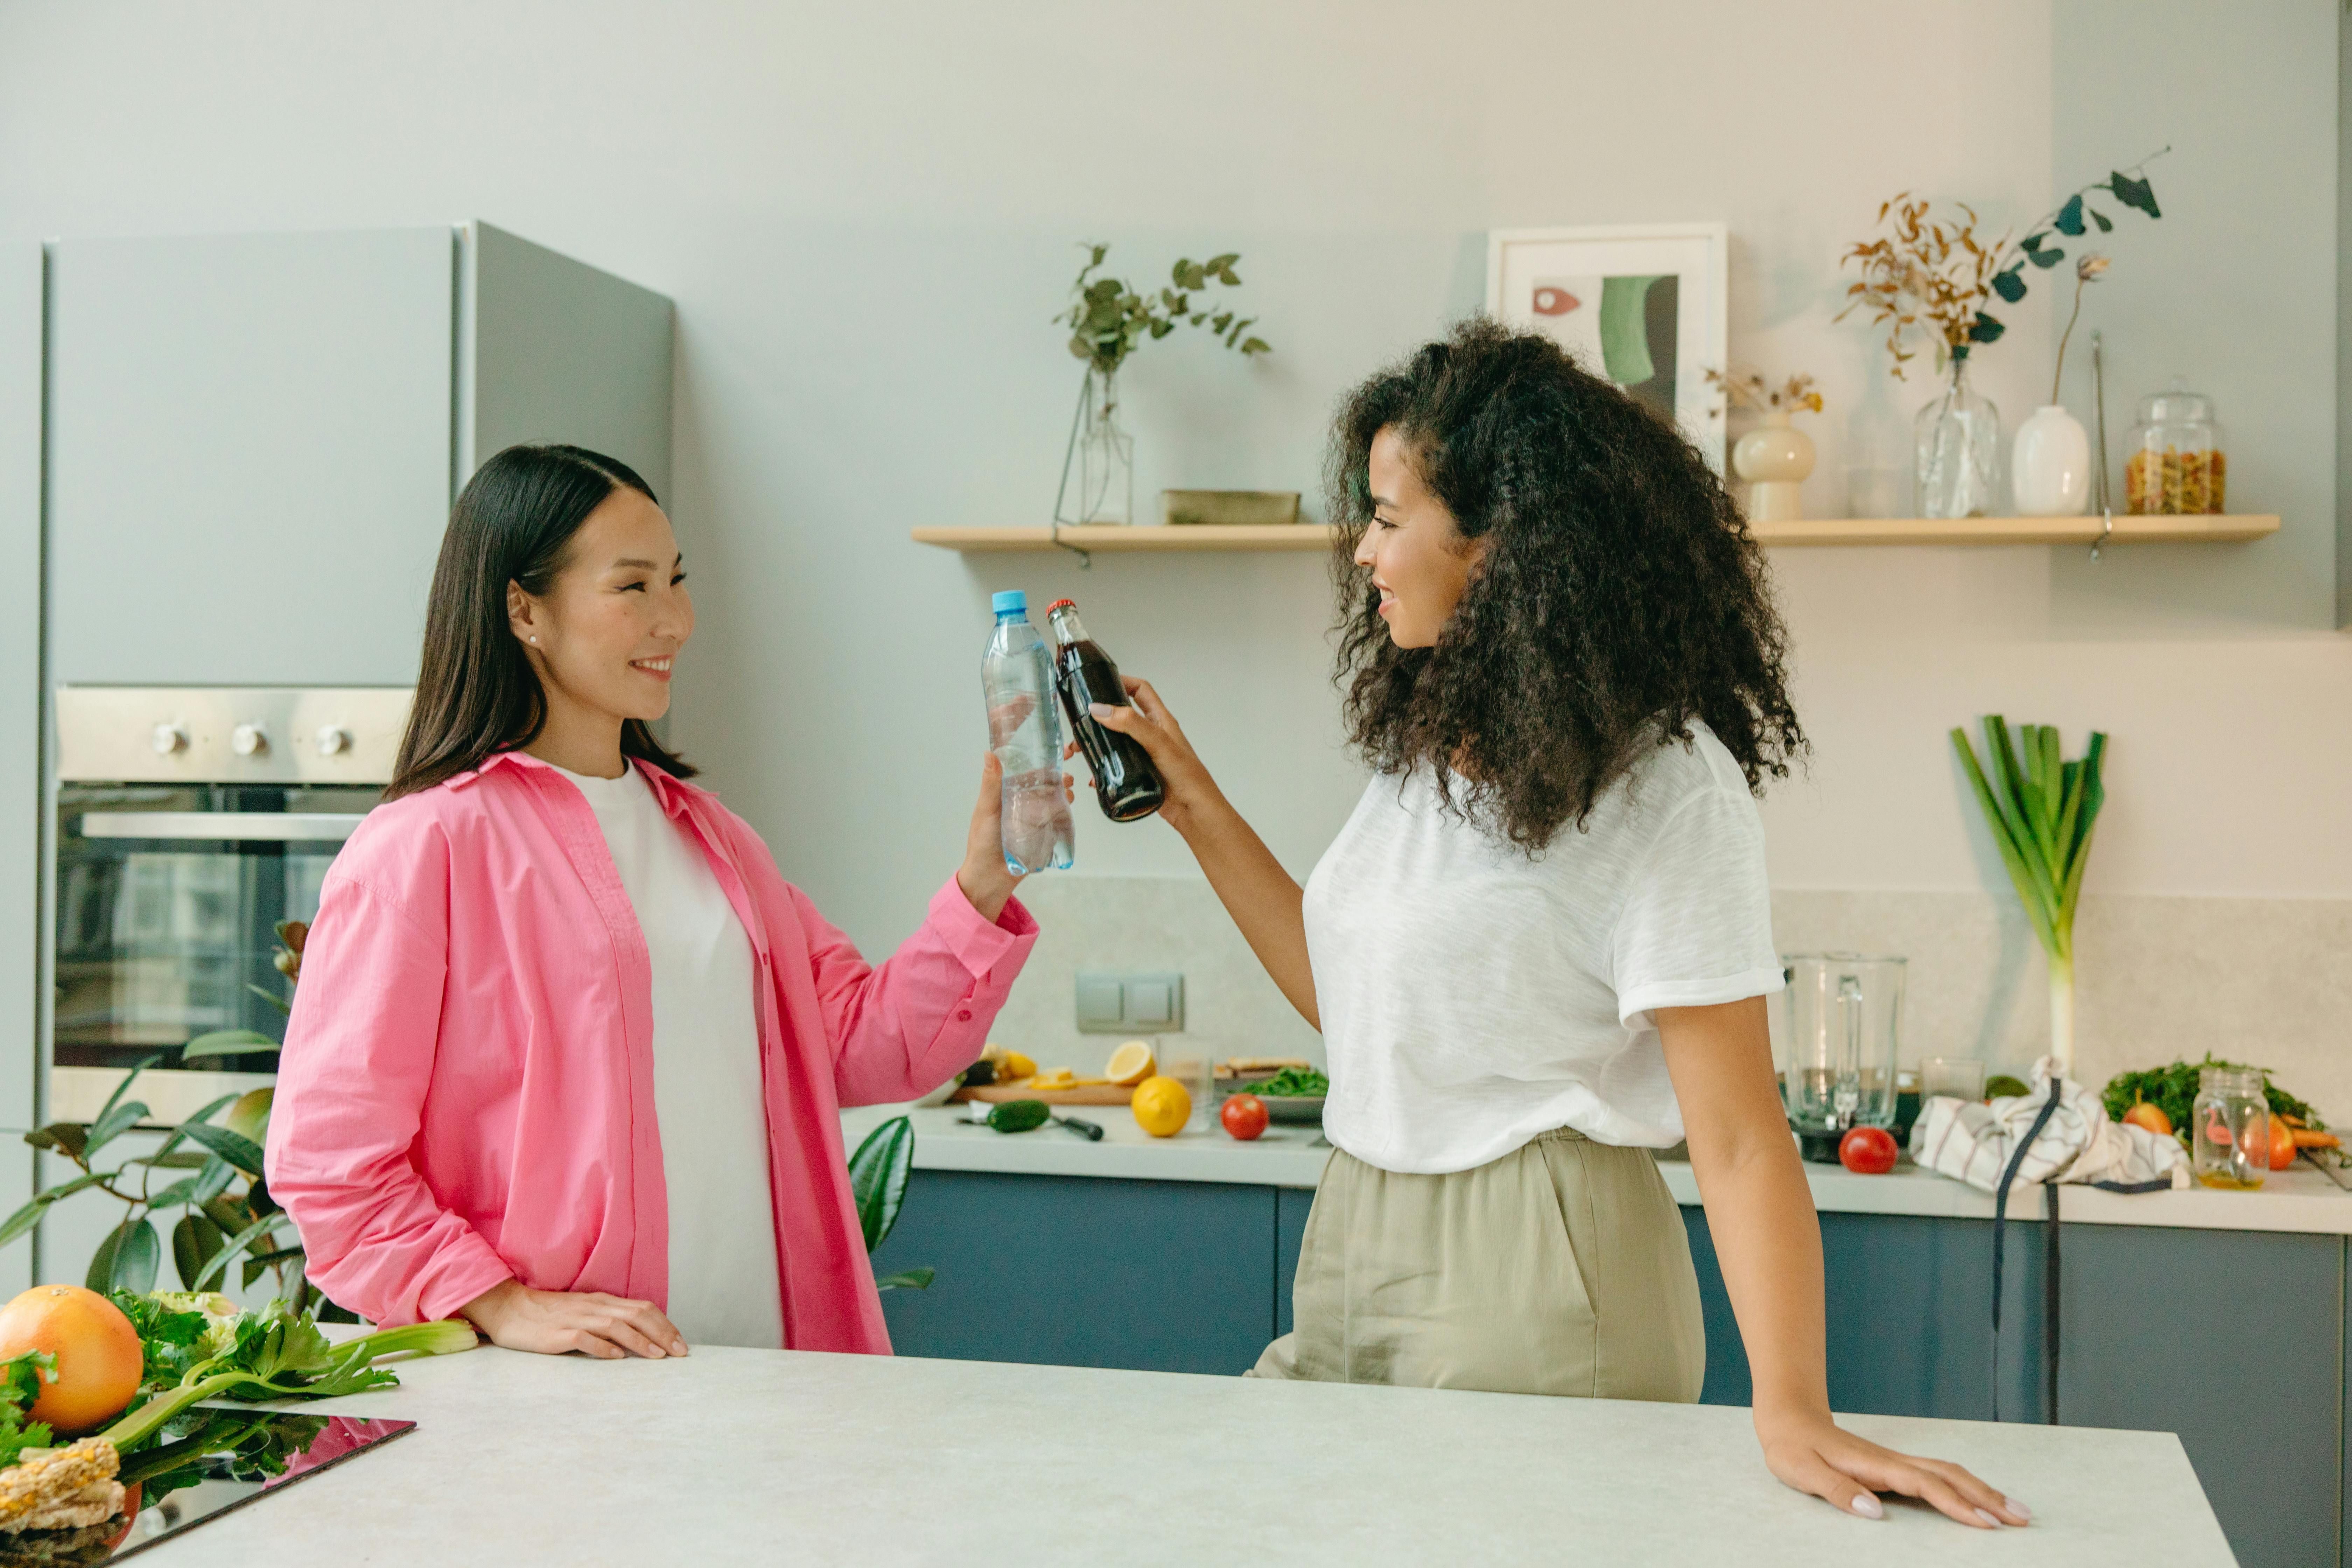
1161, 1107
1015, 1065
1131, 1063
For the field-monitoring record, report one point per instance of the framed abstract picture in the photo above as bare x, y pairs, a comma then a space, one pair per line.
1642, 304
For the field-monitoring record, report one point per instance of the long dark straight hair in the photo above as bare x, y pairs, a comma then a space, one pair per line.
477, 694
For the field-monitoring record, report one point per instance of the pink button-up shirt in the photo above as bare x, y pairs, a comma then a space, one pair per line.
466, 1091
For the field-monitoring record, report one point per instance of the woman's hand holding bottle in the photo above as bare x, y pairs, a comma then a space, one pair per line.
983, 876
1191, 792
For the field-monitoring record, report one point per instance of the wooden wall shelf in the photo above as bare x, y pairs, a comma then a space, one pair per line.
1112, 538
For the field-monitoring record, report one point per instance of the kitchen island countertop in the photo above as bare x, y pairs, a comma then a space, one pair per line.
779, 1456
2298, 1200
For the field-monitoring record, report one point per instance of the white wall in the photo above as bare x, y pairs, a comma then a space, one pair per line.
866, 213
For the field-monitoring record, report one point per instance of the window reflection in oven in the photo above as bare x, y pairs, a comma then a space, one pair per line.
160, 940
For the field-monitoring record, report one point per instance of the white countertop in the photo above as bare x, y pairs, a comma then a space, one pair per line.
782, 1456
2297, 1200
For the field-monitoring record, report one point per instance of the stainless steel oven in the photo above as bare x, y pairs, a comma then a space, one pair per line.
189, 823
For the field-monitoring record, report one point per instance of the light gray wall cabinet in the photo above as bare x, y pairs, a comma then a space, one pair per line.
253, 440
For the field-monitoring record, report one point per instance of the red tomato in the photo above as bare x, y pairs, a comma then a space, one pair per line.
1867, 1150
1244, 1115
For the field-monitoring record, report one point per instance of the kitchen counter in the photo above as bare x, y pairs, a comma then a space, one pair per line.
2301, 1200
764, 1456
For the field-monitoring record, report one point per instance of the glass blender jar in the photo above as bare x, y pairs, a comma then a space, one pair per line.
1839, 1018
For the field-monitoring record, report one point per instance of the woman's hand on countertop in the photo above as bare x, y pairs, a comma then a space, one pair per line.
1811, 1452
551, 1323
983, 876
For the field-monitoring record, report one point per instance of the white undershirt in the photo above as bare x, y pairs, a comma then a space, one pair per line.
1473, 997
706, 1085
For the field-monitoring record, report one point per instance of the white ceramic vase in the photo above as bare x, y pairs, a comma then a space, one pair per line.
1774, 458
2049, 468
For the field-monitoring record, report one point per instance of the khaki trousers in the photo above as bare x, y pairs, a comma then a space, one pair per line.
1561, 1267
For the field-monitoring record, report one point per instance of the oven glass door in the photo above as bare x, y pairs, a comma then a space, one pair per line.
168, 897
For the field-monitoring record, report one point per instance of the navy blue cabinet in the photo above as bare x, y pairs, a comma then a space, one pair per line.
2235, 1340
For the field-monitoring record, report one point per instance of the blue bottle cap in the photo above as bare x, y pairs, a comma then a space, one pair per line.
1012, 601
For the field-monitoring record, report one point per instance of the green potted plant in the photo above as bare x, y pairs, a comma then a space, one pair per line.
1109, 319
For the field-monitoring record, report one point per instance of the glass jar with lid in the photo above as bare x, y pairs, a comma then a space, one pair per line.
2233, 1123
2175, 463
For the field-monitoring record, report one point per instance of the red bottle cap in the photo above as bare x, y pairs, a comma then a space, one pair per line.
1059, 603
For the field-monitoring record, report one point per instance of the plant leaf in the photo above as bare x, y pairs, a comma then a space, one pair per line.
1257, 346
194, 1241
180, 1192
236, 1244
211, 1180
2134, 192
126, 1259
118, 1120
25, 1218
228, 1043
877, 1177
2106, 224
2069, 220
68, 1138
120, 1091
907, 1279
2010, 285
237, 1151
272, 997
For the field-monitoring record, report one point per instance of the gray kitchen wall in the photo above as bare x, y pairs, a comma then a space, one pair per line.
866, 215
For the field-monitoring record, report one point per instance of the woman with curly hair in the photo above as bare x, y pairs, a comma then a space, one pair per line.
1539, 949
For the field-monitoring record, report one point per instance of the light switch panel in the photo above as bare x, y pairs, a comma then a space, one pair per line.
1124, 1001
1098, 1002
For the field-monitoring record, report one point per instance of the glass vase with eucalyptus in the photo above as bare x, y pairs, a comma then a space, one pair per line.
1098, 475
1958, 446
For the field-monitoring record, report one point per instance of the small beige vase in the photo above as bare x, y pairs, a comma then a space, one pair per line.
1774, 458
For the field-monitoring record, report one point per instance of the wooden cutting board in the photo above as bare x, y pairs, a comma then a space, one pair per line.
1089, 1094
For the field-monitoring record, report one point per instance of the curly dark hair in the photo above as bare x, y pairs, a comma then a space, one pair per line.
1621, 595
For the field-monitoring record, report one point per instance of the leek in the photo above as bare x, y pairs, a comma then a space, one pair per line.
2039, 810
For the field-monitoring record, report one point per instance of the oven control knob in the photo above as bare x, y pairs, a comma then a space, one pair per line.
333, 741
168, 739
249, 739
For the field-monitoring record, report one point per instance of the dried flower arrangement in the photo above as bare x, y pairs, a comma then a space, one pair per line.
1745, 388
1936, 275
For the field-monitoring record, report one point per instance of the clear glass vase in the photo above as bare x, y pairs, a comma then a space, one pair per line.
1098, 475
1958, 441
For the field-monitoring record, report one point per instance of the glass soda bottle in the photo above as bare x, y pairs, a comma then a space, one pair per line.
1017, 676
1125, 782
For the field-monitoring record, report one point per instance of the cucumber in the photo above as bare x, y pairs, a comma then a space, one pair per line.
1020, 1115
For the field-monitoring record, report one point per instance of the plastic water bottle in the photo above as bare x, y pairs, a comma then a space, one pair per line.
1017, 675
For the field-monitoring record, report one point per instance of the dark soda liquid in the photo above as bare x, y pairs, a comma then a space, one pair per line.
1125, 782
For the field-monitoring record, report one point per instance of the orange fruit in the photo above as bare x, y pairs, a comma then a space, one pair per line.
1161, 1107
2152, 1117
2282, 1144
99, 1358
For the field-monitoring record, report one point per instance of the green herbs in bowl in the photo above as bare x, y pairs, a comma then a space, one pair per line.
1289, 1083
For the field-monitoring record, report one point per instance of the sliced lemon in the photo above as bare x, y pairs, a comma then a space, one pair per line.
1161, 1107
1131, 1063
1016, 1065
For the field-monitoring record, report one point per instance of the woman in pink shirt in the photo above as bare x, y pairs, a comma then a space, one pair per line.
568, 1055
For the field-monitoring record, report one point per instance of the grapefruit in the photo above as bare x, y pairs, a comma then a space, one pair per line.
2151, 1117
99, 1358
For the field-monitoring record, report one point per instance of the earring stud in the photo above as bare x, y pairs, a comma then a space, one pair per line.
534, 641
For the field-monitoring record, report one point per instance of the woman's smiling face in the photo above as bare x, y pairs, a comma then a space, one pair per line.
606, 638
1419, 561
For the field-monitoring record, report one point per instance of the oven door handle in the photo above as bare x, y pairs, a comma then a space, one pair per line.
218, 826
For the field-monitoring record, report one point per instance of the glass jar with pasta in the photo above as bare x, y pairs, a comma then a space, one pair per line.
2176, 464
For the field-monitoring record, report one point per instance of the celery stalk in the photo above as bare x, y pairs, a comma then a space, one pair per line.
349, 1371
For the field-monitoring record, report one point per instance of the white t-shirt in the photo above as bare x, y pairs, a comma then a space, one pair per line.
707, 1097
1473, 998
